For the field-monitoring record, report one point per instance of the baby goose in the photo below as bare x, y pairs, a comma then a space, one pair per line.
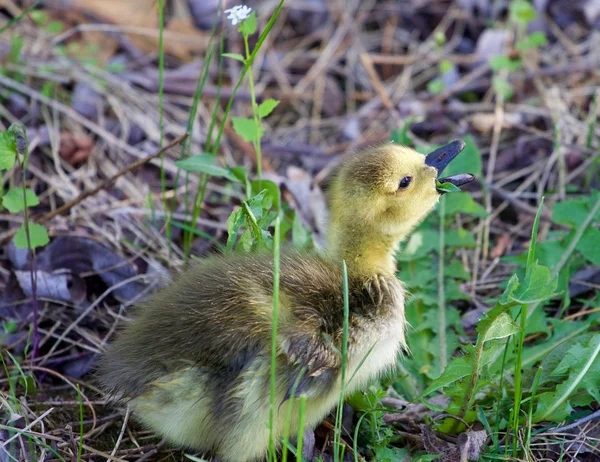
195, 361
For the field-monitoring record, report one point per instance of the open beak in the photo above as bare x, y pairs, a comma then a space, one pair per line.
441, 157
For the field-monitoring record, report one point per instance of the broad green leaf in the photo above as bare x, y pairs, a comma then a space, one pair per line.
459, 237
205, 163
255, 216
537, 286
502, 62
501, 327
301, 235
511, 287
571, 212
8, 150
266, 107
419, 244
246, 128
457, 369
446, 187
461, 367
240, 173
248, 25
272, 190
236, 56
37, 235
464, 203
521, 12
234, 223
589, 245
391, 453
13, 200
582, 365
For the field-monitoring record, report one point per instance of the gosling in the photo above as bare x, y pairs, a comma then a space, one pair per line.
194, 364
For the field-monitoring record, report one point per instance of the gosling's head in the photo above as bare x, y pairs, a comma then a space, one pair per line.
379, 195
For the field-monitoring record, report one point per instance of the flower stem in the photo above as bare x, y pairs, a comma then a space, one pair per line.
255, 115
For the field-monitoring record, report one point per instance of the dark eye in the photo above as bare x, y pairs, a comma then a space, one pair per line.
405, 182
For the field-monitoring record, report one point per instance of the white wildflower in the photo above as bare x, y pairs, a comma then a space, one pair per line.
238, 13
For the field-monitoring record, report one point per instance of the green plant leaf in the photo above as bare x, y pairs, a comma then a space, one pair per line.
234, 223
511, 287
205, 163
55, 27
236, 56
37, 234
255, 216
521, 12
588, 245
503, 62
419, 244
459, 368
246, 128
8, 150
445, 66
446, 187
40, 17
266, 107
13, 200
458, 238
401, 136
248, 25
537, 286
464, 203
301, 235
502, 87
582, 364
435, 86
572, 212
533, 40
501, 327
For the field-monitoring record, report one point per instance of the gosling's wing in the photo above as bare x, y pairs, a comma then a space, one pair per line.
311, 301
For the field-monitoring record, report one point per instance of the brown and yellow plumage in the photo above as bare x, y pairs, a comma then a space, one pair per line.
195, 361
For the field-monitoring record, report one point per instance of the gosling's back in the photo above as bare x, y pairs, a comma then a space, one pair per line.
195, 363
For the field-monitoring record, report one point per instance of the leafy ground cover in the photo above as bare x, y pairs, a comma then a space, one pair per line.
136, 137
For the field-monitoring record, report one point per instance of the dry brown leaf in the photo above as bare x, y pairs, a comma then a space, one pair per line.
183, 41
484, 122
75, 148
502, 245
470, 444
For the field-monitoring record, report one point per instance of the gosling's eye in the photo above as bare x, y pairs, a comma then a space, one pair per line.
405, 182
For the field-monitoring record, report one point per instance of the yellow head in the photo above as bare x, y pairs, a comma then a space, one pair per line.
378, 196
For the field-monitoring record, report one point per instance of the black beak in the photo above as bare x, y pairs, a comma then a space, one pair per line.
441, 157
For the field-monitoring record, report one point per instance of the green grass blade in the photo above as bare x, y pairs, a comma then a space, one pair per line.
276, 261
161, 128
337, 435
441, 295
80, 448
536, 382
518, 391
19, 18
301, 417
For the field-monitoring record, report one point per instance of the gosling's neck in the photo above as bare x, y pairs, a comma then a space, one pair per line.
367, 251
